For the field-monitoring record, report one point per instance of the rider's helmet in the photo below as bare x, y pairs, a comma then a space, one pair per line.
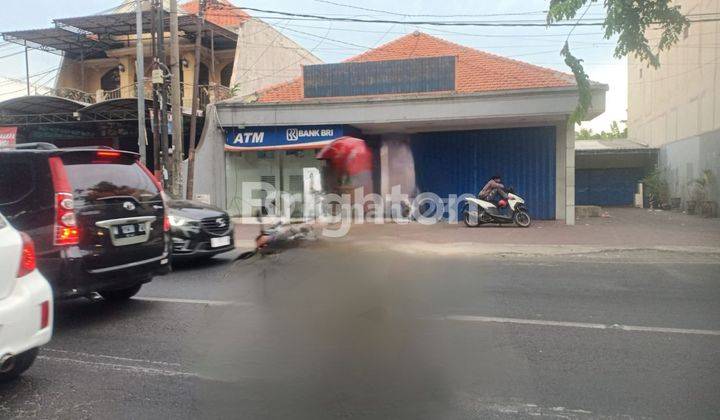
502, 203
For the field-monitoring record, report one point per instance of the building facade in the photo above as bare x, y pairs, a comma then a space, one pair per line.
676, 107
439, 117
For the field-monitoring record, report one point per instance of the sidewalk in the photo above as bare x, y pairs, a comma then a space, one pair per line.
623, 229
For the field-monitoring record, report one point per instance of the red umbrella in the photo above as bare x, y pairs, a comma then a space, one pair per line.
348, 155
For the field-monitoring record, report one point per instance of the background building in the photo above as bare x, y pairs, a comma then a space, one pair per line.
94, 100
677, 106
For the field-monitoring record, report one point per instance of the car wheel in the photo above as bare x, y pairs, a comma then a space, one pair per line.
17, 365
120, 295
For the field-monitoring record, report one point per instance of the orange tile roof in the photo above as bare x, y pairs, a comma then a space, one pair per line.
220, 12
475, 71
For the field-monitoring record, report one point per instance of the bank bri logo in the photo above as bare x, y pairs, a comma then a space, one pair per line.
292, 134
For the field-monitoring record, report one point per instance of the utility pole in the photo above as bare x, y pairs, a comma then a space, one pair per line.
140, 71
176, 98
163, 99
156, 108
195, 98
27, 69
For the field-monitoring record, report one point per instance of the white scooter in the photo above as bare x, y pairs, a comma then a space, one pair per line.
477, 212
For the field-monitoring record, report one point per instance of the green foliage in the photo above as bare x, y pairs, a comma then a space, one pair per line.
700, 187
656, 185
614, 133
629, 19
583, 83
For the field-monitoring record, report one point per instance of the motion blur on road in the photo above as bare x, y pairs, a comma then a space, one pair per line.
351, 329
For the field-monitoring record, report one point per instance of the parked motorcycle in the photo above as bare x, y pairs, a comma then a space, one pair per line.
477, 212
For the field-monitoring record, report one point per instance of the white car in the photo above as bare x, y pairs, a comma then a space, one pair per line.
26, 303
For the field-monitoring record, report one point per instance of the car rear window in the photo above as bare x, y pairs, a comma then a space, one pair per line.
16, 180
94, 179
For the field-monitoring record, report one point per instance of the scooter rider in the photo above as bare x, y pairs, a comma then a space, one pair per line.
493, 190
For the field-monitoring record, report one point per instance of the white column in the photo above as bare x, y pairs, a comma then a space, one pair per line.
570, 175
384, 169
560, 151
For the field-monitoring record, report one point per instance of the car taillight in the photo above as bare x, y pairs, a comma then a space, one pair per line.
66, 229
107, 154
44, 315
27, 256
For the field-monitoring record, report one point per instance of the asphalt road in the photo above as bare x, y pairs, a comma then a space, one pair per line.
325, 332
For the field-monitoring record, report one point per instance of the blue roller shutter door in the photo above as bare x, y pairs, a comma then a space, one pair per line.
461, 162
606, 187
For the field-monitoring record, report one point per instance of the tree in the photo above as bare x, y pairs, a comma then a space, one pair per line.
629, 19
614, 133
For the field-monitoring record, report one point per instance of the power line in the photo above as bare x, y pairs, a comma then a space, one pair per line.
11, 79
294, 16
12, 54
416, 15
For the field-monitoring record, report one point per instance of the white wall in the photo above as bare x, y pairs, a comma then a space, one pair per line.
265, 57
681, 99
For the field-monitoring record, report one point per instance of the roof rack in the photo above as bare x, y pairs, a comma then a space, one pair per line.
36, 146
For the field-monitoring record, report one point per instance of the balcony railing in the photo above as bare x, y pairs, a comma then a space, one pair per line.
207, 94
72, 94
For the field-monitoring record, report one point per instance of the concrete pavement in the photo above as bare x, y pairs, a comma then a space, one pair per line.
621, 232
326, 332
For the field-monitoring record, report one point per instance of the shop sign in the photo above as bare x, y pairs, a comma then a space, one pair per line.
292, 137
7, 137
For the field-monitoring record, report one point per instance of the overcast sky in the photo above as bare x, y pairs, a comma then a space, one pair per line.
337, 41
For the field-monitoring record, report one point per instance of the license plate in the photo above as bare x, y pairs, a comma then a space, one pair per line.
218, 242
126, 231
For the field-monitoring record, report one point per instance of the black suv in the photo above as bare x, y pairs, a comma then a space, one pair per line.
199, 230
97, 217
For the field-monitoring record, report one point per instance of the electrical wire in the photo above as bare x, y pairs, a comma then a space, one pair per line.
12, 54
438, 23
415, 15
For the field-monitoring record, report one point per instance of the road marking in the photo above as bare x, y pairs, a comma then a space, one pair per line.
633, 328
103, 356
191, 301
122, 367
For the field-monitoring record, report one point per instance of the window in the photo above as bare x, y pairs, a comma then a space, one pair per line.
110, 80
92, 180
22, 176
204, 75
226, 75
268, 179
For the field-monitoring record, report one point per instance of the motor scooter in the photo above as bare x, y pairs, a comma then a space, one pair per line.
512, 209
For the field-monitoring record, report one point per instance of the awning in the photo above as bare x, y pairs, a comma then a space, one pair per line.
39, 105
119, 24
91, 36
32, 110
74, 44
123, 109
